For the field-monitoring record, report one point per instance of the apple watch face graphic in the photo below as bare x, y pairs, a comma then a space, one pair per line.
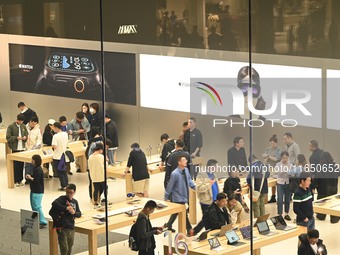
73, 73
71, 63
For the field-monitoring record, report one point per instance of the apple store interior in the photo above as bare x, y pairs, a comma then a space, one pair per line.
224, 86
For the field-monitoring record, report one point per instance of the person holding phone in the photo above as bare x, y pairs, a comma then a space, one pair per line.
145, 231
16, 136
64, 210
37, 188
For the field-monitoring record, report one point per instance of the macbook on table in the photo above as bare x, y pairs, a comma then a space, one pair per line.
262, 218
264, 229
223, 229
280, 223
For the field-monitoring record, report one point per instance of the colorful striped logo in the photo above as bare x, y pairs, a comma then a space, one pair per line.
210, 91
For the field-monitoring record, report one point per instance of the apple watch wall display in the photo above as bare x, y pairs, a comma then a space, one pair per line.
71, 73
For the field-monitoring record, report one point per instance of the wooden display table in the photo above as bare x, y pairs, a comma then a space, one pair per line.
193, 198
203, 247
3, 140
154, 166
77, 149
330, 207
86, 225
117, 171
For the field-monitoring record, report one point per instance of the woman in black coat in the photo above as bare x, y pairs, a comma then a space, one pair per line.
37, 188
95, 119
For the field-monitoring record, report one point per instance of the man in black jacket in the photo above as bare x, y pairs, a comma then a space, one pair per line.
217, 215
310, 244
237, 158
145, 231
28, 112
172, 161
168, 146
64, 210
316, 152
112, 134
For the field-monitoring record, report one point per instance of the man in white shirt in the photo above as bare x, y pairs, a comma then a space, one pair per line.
59, 145
34, 140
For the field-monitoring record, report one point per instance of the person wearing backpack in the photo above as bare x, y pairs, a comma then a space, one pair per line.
63, 212
143, 232
257, 180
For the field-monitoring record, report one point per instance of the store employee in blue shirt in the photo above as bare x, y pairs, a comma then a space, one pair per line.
177, 190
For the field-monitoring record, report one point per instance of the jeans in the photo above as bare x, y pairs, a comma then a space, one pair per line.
35, 199
111, 155
146, 252
99, 188
258, 206
310, 224
65, 240
201, 224
174, 216
18, 170
28, 169
63, 178
283, 192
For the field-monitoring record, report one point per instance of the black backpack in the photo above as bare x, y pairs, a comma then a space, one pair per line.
58, 217
133, 244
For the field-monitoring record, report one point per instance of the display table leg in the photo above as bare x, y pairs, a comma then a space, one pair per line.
92, 239
257, 252
10, 174
7, 149
182, 221
83, 164
192, 207
52, 239
128, 183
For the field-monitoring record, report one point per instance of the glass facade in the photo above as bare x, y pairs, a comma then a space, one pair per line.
267, 76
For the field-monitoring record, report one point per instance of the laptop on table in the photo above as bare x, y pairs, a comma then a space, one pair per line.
262, 218
245, 232
280, 223
243, 224
202, 236
233, 238
223, 229
264, 229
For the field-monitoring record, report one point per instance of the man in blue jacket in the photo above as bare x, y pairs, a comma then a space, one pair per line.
177, 190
